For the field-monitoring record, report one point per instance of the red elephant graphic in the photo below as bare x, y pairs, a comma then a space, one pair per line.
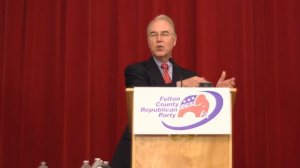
200, 106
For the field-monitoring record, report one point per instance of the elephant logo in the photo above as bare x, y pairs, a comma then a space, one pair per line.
197, 105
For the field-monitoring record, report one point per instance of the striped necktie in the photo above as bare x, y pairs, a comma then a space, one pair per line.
166, 75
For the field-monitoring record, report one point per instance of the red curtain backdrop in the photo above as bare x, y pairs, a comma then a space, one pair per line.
62, 83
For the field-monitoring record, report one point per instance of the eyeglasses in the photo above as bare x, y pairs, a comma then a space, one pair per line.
163, 35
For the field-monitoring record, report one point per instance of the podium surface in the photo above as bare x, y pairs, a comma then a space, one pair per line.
170, 151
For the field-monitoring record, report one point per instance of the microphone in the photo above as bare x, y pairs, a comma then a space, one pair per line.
177, 68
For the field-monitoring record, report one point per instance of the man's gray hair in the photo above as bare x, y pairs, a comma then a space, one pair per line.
161, 17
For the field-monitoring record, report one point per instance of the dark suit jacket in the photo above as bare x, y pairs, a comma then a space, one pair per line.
144, 73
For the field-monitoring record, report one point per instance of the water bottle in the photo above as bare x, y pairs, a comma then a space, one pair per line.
97, 163
106, 164
85, 164
43, 165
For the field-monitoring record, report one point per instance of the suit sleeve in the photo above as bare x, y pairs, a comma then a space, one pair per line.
134, 77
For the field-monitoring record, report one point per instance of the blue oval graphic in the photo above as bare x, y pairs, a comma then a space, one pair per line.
213, 114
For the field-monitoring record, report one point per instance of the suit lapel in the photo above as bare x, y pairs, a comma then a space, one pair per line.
176, 76
154, 73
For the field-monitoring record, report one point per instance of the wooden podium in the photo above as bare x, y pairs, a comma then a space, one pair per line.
182, 151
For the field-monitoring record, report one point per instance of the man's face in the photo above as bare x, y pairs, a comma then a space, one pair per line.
161, 39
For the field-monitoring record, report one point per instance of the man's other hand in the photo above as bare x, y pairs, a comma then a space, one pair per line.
222, 82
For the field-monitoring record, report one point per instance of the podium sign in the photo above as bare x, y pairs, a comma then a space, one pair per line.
169, 110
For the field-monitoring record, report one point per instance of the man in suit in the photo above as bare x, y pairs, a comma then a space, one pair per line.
159, 70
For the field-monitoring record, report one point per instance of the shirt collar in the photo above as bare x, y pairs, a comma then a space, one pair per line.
170, 69
158, 63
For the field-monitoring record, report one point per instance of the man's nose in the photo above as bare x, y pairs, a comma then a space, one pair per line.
159, 37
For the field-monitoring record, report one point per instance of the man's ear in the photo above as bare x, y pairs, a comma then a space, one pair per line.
175, 40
